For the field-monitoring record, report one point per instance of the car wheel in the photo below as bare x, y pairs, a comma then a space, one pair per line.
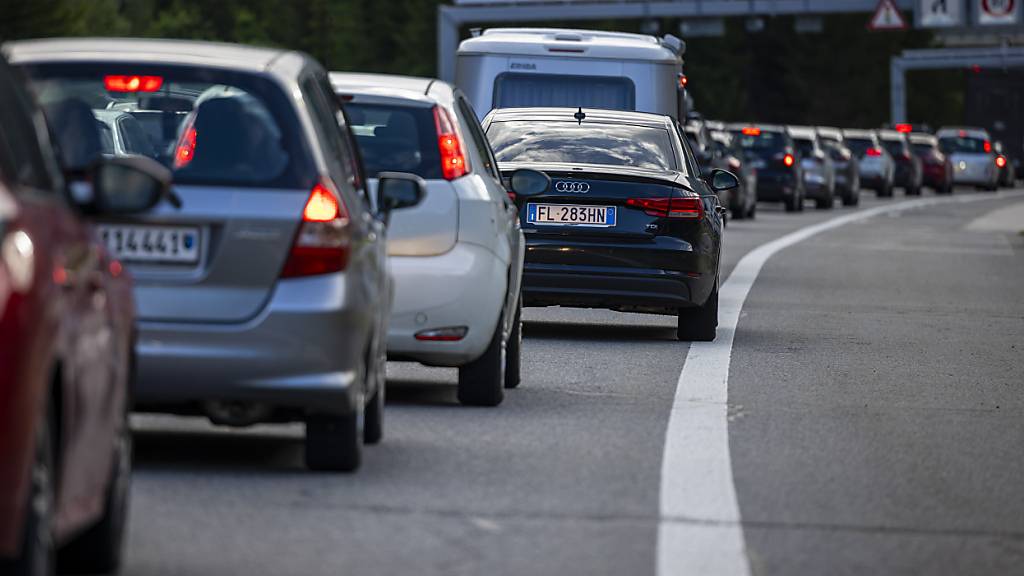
99, 549
482, 381
791, 203
513, 355
701, 323
334, 443
37, 555
752, 213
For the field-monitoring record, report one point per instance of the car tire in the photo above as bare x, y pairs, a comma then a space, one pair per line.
99, 549
37, 554
373, 418
334, 443
791, 203
482, 381
801, 201
699, 324
513, 353
752, 212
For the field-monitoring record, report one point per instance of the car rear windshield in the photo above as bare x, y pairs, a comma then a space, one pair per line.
893, 147
923, 148
859, 146
208, 126
951, 144
587, 143
763, 143
396, 138
517, 90
805, 147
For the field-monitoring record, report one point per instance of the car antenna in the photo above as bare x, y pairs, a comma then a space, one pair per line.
579, 116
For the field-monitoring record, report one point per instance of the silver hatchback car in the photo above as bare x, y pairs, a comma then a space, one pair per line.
262, 289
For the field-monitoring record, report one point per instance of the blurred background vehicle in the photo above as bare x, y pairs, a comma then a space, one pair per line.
818, 169
66, 336
908, 166
845, 163
708, 156
457, 258
743, 198
523, 67
262, 164
629, 223
971, 153
936, 168
1007, 169
877, 168
769, 151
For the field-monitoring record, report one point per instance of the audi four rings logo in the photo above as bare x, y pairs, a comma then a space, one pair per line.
572, 187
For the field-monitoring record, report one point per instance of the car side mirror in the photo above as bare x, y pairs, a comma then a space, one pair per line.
526, 182
397, 190
126, 185
722, 180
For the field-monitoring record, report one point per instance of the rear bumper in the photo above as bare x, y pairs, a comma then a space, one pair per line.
552, 281
305, 350
465, 286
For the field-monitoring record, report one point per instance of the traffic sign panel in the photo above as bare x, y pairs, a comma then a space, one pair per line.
939, 13
997, 12
887, 17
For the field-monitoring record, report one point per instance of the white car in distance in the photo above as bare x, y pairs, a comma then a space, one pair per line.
457, 258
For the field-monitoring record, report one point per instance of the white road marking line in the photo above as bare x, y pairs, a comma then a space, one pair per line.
700, 530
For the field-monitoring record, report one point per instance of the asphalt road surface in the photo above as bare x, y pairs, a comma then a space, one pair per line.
875, 425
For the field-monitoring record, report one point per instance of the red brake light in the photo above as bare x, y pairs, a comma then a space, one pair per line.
788, 160
683, 208
683, 80
322, 206
133, 83
1001, 161
322, 244
186, 149
988, 146
904, 128
874, 152
751, 131
453, 159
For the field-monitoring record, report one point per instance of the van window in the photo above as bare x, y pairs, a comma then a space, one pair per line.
516, 90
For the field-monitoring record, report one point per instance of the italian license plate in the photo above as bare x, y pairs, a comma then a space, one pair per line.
570, 215
174, 244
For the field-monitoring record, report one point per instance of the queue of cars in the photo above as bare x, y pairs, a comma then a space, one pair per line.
234, 232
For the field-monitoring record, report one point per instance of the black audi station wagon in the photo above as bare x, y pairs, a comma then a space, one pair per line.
628, 222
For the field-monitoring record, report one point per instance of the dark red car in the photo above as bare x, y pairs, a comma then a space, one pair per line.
66, 330
936, 168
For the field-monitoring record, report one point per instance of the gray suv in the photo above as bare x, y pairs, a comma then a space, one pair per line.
262, 287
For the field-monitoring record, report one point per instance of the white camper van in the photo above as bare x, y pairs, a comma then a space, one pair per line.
525, 67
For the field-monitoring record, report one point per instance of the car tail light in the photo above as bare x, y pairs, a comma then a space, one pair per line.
788, 160
681, 208
988, 146
323, 241
449, 334
133, 83
751, 131
1001, 161
453, 158
874, 152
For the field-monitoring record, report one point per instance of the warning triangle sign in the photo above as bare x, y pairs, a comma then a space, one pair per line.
887, 17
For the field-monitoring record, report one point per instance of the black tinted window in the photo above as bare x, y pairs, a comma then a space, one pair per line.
396, 138
210, 127
893, 147
805, 147
859, 145
588, 143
